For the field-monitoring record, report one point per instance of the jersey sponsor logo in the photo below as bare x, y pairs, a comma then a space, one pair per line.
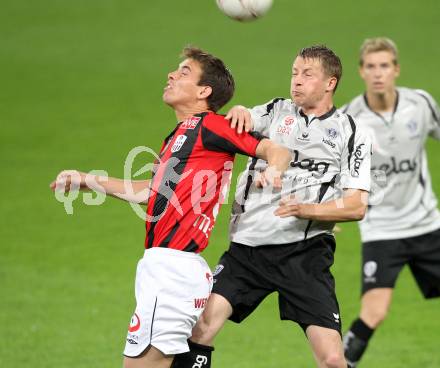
201, 361
328, 142
357, 160
284, 130
288, 120
178, 143
200, 303
309, 164
190, 123
397, 167
370, 269
203, 222
336, 317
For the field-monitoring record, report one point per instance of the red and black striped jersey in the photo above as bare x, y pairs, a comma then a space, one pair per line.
191, 180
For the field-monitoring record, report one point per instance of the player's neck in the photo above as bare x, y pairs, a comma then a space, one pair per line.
185, 112
382, 102
318, 110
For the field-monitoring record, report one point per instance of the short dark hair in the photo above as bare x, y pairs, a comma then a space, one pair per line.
214, 74
329, 60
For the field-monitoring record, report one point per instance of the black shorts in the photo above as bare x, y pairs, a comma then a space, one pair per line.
299, 272
383, 260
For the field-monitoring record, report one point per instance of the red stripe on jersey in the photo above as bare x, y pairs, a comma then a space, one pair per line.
191, 181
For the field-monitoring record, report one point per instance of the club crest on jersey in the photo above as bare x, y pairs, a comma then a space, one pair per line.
178, 143
190, 123
412, 126
331, 133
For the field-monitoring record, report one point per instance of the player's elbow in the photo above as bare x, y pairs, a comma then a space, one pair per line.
359, 212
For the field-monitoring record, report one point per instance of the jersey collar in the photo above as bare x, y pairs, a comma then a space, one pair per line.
321, 117
387, 123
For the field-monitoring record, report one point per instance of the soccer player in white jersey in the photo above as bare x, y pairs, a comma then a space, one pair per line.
282, 241
402, 225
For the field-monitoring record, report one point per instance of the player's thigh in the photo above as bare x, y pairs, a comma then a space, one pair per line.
382, 262
239, 279
152, 358
425, 263
307, 287
216, 313
325, 342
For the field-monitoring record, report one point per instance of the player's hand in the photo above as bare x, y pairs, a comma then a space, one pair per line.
289, 206
240, 118
270, 176
68, 180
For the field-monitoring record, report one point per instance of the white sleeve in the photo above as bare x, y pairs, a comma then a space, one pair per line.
434, 113
262, 115
356, 159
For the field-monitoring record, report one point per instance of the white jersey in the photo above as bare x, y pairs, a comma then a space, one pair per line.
404, 205
329, 154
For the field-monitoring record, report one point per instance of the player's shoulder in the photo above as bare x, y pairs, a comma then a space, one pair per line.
354, 107
277, 103
347, 124
416, 94
212, 118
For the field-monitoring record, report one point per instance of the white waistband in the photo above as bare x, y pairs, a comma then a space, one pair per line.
170, 252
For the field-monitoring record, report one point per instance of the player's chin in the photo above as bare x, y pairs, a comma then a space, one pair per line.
297, 99
167, 100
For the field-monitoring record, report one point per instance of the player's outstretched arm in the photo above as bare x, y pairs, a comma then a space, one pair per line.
278, 159
135, 191
351, 207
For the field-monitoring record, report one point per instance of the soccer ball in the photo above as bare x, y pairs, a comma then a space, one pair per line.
244, 10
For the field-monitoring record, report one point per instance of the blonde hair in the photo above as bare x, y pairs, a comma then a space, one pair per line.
378, 44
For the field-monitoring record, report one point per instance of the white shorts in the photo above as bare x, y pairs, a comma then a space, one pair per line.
172, 288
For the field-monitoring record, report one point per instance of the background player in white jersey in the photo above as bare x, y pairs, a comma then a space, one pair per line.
282, 243
402, 225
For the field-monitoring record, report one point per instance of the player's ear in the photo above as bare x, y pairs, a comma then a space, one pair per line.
397, 69
205, 92
331, 84
361, 72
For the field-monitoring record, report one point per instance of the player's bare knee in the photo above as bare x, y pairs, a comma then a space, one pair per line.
335, 360
375, 316
203, 332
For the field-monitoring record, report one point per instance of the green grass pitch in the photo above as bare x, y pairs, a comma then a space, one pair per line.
81, 84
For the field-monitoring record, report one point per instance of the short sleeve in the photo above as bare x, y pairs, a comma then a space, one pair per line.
217, 135
262, 115
434, 113
356, 159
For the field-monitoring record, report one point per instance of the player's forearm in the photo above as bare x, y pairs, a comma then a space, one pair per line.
340, 210
277, 157
135, 191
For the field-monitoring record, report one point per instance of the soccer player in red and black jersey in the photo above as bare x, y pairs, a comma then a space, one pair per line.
189, 184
